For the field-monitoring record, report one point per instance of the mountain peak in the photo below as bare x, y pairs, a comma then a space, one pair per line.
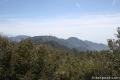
19, 38
73, 38
71, 43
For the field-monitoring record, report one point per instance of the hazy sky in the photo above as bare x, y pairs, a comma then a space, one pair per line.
94, 20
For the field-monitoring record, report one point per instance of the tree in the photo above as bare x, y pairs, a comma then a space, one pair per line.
115, 56
113, 44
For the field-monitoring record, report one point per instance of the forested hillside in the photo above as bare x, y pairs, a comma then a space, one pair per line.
27, 61
70, 43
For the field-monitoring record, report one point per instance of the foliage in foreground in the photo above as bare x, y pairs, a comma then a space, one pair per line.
27, 61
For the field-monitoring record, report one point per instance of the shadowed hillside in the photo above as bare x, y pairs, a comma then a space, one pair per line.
70, 43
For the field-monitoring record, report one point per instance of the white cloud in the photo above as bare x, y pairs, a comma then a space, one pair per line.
95, 28
114, 2
77, 5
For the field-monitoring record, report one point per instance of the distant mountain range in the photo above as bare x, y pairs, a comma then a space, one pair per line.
70, 43
18, 38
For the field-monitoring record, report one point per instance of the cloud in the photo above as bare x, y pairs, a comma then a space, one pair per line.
114, 2
77, 5
95, 28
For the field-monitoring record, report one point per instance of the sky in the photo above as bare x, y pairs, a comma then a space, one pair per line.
93, 20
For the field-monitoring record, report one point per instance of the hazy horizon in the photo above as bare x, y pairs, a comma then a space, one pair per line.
95, 20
